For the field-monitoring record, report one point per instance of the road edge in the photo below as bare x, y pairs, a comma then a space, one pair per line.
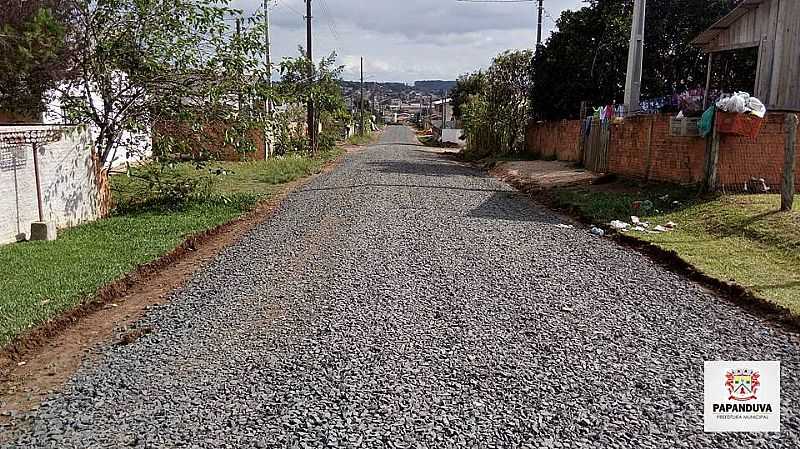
26, 363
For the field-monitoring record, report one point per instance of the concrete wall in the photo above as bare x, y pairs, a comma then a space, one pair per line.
642, 147
453, 136
71, 188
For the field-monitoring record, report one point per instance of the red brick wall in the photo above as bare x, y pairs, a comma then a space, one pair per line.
554, 139
211, 142
13, 118
742, 158
641, 147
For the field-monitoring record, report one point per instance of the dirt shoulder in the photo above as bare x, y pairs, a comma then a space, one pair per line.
39, 363
538, 174
734, 245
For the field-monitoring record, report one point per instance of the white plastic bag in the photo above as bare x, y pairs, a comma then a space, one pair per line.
756, 107
742, 102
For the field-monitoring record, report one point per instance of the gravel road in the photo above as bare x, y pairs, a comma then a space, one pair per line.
406, 301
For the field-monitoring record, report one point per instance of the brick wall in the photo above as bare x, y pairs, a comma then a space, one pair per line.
210, 143
554, 139
9, 118
641, 147
742, 158
72, 190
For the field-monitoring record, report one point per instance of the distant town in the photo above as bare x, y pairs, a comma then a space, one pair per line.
400, 102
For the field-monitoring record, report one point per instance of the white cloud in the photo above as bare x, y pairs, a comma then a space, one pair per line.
411, 39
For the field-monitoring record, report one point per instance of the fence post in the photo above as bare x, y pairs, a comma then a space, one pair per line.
787, 188
712, 161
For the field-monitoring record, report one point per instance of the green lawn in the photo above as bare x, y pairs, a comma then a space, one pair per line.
740, 238
43, 279
362, 139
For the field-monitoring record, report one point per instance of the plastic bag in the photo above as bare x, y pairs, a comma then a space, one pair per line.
742, 102
756, 107
735, 103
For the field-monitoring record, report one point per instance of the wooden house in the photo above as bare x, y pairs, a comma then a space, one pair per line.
772, 26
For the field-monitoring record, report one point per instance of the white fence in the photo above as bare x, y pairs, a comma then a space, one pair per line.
70, 188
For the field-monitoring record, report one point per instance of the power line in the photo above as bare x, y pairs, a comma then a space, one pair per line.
549, 16
539, 23
330, 20
496, 1
289, 6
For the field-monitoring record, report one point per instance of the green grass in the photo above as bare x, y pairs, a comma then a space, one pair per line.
740, 238
361, 139
427, 141
44, 279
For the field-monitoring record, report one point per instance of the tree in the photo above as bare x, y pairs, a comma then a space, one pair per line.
586, 57
508, 86
323, 87
671, 64
34, 54
494, 106
141, 64
466, 86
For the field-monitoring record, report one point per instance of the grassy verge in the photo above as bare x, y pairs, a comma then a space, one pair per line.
739, 238
362, 139
428, 141
43, 279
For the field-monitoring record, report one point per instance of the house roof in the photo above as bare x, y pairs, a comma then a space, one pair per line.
723, 24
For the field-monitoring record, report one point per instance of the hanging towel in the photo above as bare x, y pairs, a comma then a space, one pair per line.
706, 123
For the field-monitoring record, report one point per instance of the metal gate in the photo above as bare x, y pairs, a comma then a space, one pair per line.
595, 136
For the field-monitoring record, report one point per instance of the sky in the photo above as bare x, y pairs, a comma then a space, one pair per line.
408, 40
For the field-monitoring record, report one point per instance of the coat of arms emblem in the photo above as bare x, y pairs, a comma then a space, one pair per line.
742, 384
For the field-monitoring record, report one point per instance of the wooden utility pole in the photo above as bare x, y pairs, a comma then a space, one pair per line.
268, 55
789, 163
312, 129
361, 102
633, 79
708, 80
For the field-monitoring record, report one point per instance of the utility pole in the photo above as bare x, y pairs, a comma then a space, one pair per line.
238, 48
444, 110
312, 130
268, 138
539, 28
633, 79
361, 102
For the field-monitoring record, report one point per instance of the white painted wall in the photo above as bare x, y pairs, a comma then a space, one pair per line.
453, 136
69, 190
134, 148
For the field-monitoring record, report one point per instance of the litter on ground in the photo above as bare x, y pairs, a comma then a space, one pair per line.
619, 225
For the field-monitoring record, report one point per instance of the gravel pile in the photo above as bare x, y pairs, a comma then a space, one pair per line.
406, 301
